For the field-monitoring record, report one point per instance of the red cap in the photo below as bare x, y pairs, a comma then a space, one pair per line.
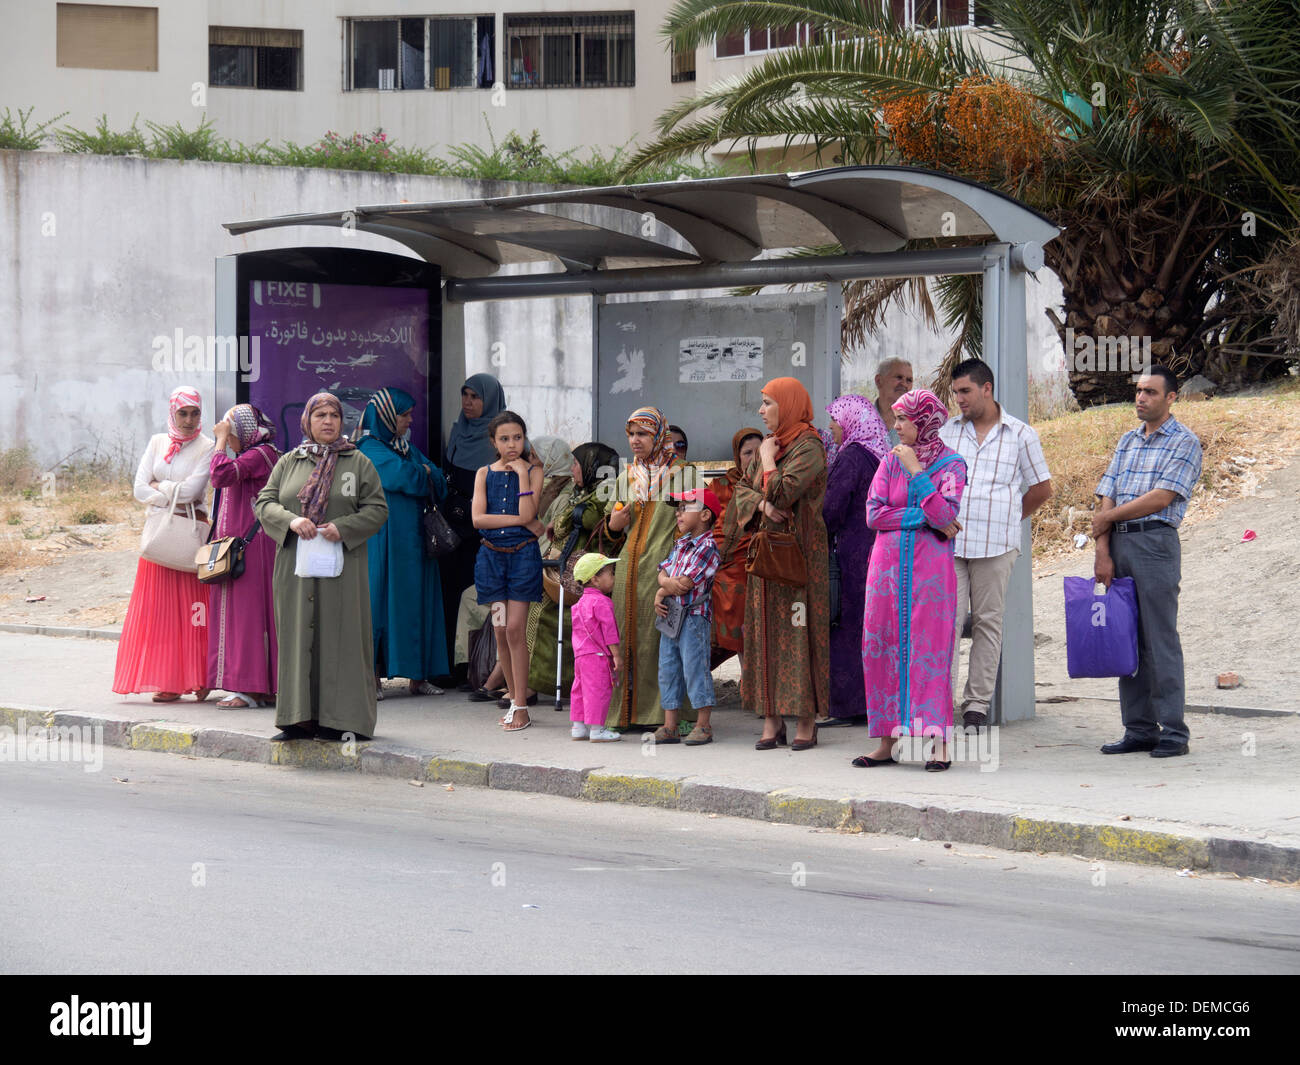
697, 495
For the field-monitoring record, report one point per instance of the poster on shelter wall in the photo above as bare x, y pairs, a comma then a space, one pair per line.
345, 339
705, 360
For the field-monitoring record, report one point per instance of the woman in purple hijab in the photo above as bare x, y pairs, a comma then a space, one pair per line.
860, 441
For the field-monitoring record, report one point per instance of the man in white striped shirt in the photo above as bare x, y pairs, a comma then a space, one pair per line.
1003, 460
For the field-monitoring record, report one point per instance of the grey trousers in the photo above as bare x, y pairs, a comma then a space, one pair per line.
1151, 702
982, 593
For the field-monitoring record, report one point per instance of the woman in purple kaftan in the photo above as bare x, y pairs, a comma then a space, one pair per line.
241, 621
912, 584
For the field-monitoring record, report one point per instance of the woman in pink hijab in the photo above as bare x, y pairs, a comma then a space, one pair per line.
912, 584
164, 644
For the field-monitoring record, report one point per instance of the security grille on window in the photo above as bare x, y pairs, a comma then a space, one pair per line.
254, 58
570, 51
413, 53
926, 14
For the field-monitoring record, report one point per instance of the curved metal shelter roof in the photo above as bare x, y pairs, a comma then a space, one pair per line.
865, 209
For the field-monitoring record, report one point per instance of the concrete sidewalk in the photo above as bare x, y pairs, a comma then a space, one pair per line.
1230, 806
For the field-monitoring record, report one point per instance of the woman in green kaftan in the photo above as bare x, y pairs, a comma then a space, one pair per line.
324, 487
644, 529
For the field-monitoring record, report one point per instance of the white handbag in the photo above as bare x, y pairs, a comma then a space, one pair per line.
172, 540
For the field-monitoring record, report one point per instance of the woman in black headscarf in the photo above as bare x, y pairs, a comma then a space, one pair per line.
468, 448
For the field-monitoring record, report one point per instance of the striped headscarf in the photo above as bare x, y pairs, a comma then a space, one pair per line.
861, 423
927, 412
250, 426
315, 494
185, 396
379, 419
645, 477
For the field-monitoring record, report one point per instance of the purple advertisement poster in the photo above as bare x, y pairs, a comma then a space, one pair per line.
345, 339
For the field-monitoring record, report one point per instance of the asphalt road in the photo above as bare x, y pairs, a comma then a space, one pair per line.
163, 864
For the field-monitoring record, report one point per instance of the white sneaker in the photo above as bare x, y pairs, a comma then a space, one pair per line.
579, 731
601, 734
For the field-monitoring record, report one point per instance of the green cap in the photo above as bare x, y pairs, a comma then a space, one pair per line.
589, 565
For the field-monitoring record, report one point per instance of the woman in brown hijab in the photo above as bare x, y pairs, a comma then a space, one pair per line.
787, 629
324, 487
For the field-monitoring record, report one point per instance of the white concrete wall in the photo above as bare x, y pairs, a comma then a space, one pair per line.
99, 255
566, 118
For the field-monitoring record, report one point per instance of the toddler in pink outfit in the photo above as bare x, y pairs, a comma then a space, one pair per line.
596, 656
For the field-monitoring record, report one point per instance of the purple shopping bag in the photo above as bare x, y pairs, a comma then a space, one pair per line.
1101, 631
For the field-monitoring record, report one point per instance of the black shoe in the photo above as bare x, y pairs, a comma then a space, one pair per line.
483, 695
1169, 750
867, 762
292, 732
936, 766
973, 719
843, 722
1128, 746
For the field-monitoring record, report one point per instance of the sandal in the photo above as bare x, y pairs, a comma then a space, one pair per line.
166, 697
201, 696
425, 688
508, 722
239, 701
699, 735
663, 734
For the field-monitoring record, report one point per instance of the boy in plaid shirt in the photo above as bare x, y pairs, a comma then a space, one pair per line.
687, 572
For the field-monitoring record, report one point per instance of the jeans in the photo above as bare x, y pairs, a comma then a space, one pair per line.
684, 663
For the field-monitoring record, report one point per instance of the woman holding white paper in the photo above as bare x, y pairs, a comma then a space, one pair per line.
325, 495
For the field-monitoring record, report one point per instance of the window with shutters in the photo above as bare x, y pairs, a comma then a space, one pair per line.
251, 58
106, 37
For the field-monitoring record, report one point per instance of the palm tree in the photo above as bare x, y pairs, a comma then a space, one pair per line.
1157, 134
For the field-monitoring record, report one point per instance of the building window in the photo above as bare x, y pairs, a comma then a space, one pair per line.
249, 58
919, 13
683, 65
570, 51
104, 37
402, 54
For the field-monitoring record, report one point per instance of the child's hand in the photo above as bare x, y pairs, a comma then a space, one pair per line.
684, 585
521, 467
617, 662
661, 608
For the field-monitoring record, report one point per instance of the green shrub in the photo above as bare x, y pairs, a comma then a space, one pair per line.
17, 135
102, 141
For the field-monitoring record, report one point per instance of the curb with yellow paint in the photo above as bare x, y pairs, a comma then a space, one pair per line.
1099, 841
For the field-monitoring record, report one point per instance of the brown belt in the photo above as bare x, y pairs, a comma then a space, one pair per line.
507, 550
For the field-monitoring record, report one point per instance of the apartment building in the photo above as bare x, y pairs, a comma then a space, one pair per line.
429, 72
433, 74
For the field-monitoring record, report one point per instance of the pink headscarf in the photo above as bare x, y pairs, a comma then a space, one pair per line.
861, 423
185, 396
926, 411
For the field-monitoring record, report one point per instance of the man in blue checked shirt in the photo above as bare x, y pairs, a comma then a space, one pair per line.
1144, 496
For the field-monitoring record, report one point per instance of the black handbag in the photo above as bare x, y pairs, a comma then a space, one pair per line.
438, 535
457, 508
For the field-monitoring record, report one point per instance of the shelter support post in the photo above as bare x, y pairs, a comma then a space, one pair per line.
453, 361
1005, 350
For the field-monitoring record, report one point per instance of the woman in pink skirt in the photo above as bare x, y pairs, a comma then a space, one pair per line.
241, 640
164, 645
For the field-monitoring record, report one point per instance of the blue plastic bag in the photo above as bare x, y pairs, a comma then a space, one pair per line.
1101, 631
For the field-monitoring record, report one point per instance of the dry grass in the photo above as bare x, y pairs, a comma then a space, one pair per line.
43, 515
1263, 429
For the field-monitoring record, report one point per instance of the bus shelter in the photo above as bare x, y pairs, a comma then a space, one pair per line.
671, 237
